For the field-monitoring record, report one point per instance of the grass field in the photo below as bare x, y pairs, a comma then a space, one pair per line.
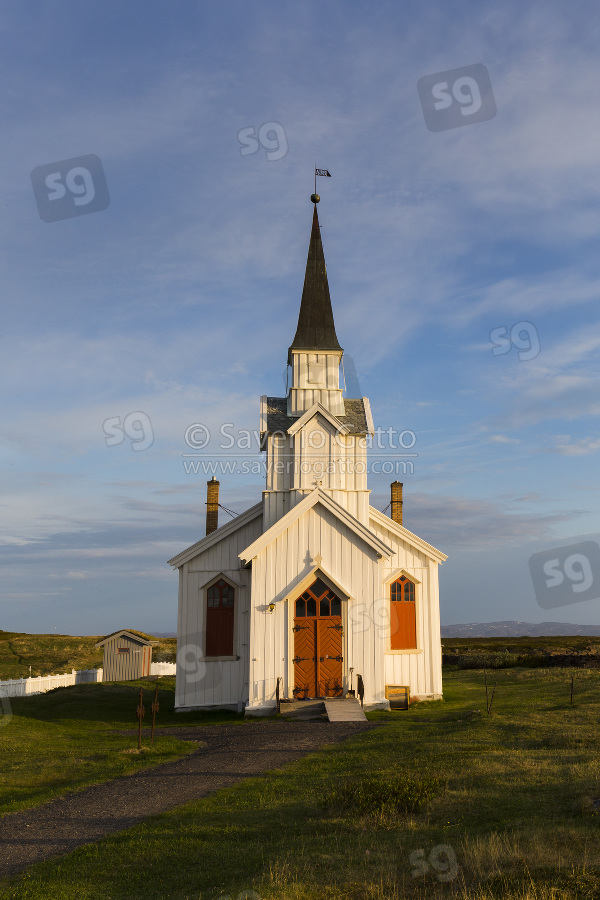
512, 815
71, 729
54, 654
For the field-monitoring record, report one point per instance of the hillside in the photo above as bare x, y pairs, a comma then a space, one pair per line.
53, 654
518, 629
530, 652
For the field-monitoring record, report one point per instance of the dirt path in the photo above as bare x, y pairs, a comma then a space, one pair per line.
233, 752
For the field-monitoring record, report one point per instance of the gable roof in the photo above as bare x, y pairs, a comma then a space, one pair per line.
317, 409
138, 636
274, 416
406, 535
224, 531
316, 496
316, 328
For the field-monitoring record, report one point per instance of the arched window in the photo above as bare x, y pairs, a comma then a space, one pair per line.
318, 600
403, 622
220, 608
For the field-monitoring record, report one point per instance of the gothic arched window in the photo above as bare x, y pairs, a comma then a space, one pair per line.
403, 622
220, 609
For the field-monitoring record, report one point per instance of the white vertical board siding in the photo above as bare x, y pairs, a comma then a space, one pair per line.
264, 638
276, 572
304, 393
214, 682
422, 672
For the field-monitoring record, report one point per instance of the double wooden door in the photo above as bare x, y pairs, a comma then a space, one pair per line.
318, 636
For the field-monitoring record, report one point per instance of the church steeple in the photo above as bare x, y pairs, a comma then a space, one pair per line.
316, 328
315, 352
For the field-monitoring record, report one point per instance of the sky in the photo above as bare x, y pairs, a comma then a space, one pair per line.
157, 166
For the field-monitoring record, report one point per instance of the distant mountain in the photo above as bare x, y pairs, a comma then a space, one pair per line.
518, 629
494, 629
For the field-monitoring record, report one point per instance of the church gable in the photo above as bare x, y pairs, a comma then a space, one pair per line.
317, 497
323, 418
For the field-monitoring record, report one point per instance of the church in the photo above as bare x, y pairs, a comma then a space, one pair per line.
312, 592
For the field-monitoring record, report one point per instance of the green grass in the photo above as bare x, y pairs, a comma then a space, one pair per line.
382, 798
55, 654
513, 818
72, 729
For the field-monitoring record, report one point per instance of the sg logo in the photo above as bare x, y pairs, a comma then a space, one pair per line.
72, 187
566, 575
457, 97
271, 136
523, 336
136, 425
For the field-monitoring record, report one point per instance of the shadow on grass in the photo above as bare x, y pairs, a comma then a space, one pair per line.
115, 703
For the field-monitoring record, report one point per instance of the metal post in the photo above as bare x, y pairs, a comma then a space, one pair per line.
140, 714
155, 705
571, 690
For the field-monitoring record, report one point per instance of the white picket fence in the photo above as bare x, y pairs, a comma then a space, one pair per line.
162, 668
21, 687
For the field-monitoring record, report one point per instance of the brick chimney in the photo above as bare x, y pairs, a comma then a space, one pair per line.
396, 512
212, 505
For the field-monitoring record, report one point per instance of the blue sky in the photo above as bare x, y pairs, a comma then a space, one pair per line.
179, 300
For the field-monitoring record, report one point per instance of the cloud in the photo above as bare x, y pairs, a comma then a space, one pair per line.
502, 439
461, 523
567, 447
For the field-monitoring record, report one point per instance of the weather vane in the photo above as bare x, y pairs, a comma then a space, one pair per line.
315, 197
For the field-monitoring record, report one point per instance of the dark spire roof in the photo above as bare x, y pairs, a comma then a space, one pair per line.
316, 329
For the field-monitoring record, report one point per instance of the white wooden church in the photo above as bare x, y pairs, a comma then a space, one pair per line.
312, 587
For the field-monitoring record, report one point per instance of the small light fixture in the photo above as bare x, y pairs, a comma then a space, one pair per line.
271, 607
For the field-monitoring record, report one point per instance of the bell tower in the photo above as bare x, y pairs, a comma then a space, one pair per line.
315, 437
315, 353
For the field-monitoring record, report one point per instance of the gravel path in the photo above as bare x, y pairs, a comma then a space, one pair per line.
233, 752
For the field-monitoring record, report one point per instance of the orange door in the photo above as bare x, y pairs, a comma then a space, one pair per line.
318, 643
305, 658
329, 652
